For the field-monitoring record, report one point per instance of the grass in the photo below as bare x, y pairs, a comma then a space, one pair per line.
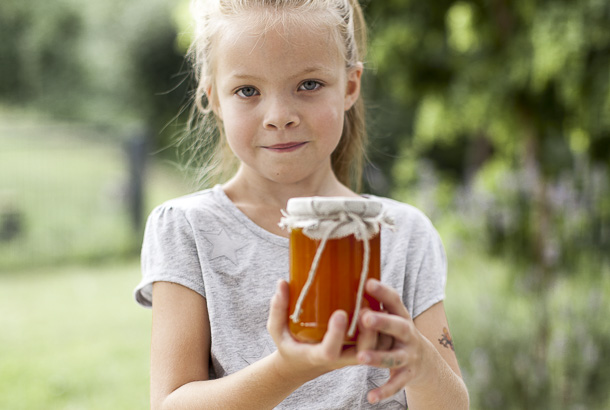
68, 185
73, 338
68, 195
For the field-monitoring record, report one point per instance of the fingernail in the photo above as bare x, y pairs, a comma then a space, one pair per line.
373, 284
365, 358
340, 319
373, 399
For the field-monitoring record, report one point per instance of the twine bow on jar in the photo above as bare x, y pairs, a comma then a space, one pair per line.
333, 218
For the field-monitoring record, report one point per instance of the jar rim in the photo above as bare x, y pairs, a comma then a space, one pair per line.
321, 207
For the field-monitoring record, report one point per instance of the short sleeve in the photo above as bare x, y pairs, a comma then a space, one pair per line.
169, 254
431, 272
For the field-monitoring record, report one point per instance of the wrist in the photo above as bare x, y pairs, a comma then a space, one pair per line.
291, 373
430, 367
438, 386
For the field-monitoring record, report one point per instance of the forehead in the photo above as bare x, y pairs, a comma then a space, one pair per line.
253, 43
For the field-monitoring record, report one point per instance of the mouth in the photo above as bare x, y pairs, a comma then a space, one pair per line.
287, 147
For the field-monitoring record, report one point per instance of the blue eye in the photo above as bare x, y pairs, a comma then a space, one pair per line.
247, 92
310, 85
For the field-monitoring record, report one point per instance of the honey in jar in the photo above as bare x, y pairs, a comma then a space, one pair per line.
338, 271
335, 285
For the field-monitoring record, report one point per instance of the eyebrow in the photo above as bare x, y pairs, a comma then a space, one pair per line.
302, 73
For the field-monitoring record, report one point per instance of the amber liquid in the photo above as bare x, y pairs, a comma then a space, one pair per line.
335, 285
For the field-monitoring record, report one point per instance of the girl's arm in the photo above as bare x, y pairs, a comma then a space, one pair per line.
421, 359
180, 354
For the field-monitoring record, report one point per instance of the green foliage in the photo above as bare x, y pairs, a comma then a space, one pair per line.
108, 62
522, 86
495, 326
41, 61
499, 115
473, 67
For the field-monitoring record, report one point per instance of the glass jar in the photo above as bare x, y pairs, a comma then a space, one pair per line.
334, 248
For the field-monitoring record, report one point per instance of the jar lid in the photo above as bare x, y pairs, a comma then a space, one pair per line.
335, 217
323, 207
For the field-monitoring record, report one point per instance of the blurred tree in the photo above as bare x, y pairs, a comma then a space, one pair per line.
158, 70
38, 62
510, 100
111, 62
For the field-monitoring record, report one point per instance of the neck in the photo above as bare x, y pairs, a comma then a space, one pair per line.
262, 200
246, 189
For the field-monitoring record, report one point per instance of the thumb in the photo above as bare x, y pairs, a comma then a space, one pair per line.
277, 322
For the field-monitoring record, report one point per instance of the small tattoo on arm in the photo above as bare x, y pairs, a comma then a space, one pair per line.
446, 340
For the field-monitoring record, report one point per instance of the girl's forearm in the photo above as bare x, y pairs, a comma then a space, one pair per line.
262, 385
444, 389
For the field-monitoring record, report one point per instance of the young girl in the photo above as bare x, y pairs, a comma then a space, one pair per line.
281, 81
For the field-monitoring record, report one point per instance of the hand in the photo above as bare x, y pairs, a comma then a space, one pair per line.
305, 359
406, 355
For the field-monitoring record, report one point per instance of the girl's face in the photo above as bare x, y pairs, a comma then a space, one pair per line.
282, 97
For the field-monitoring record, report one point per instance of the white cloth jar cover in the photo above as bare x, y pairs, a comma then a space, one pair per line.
324, 218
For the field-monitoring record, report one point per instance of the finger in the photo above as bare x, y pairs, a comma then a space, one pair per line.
384, 342
393, 326
367, 322
398, 379
393, 359
388, 297
277, 321
331, 346
367, 338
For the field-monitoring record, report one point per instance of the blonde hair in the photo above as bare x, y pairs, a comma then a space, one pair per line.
204, 145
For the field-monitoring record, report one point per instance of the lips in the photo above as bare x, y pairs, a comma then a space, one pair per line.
286, 147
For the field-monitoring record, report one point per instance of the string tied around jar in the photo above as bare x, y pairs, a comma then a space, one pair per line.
332, 218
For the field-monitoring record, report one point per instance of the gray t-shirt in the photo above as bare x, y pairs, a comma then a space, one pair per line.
204, 242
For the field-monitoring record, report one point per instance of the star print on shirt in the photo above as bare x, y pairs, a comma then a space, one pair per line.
223, 245
399, 397
264, 351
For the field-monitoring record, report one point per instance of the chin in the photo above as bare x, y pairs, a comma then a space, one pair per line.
288, 178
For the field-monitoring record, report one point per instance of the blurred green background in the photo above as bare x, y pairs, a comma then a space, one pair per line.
492, 116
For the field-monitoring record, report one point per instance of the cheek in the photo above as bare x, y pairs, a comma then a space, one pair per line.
330, 120
237, 138
237, 123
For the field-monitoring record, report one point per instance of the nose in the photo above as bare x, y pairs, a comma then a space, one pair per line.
280, 114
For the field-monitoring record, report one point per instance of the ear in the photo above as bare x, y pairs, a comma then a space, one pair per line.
213, 100
352, 87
